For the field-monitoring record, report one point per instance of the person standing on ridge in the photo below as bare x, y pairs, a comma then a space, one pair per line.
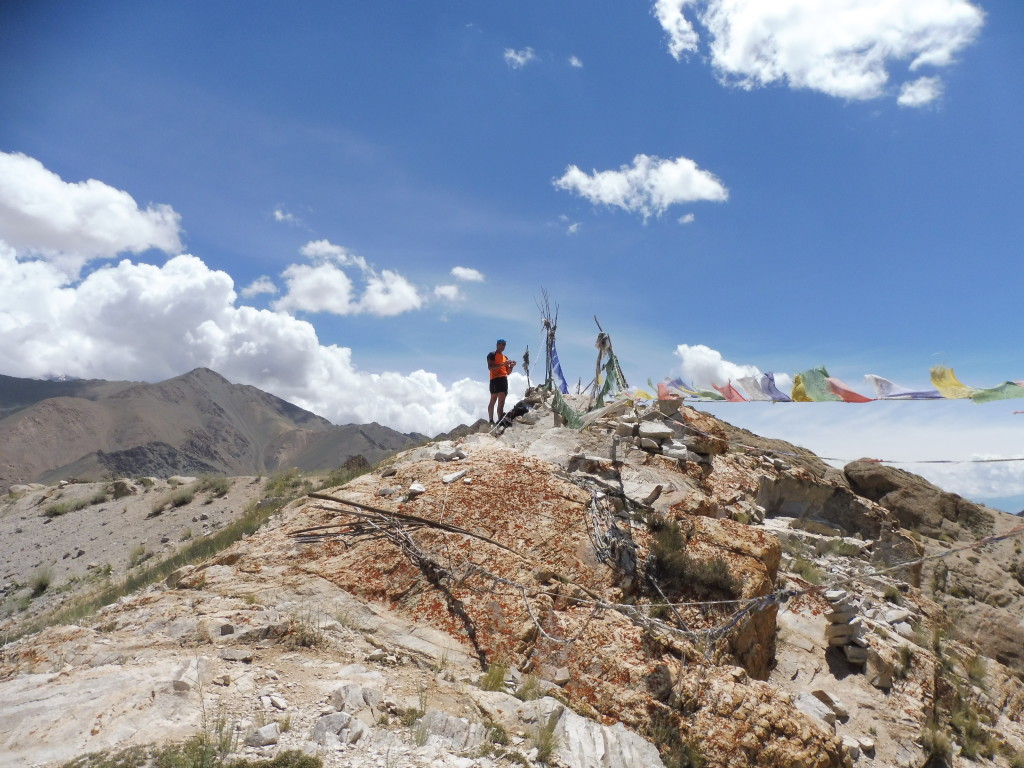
499, 367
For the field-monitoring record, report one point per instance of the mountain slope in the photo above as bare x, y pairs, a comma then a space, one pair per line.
192, 424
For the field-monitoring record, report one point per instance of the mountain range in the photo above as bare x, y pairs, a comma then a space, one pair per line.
197, 423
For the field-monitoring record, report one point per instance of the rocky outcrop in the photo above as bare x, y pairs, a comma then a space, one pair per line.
621, 583
915, 503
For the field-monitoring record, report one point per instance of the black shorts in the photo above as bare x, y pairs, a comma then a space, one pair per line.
499, 384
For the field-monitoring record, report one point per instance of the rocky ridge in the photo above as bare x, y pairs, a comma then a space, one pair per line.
647, 584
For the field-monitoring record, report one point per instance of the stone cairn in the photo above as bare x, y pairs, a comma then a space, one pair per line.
846, 628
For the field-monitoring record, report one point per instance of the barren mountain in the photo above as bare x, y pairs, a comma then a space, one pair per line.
656, 588
198, 423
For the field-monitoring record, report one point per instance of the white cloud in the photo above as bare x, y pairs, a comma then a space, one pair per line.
919, 92
648, 187
73, 223
325, 250
448, 292
316, 288
282, 215
325, 287
260, 285
519, 59
573, 228
468, 274
575, 62
843, 48
687, 218
389, 294
682, 37
702, 366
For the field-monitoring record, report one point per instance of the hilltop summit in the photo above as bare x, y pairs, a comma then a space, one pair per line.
654, 587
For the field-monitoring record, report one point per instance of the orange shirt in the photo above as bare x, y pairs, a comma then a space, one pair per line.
499, 370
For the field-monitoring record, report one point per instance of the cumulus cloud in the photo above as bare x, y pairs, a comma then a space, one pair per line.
448, 292
324, 286
468, 274
519, 59
316, 288
687, 218
260, 285
325, 251
389, 294
575, 62
73, 223
919, 92
844, 48
702, 366
648, 186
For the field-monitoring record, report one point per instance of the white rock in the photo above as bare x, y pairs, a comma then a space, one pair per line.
811, 705
262, 737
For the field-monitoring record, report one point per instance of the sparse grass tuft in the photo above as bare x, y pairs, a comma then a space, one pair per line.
976, 669
545, 741
214, 486
305, 631
906, 661
494, 678
530, 689
938, 746
678, 572
40, 581
137, 555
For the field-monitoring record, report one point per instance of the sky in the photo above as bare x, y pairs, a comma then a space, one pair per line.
346, 204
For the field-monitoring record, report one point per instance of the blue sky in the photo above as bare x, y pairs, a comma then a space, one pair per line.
345, 204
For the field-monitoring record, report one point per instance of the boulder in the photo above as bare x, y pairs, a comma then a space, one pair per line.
265, 736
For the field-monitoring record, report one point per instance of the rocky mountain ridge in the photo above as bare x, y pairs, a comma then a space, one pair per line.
194, 424
655, 587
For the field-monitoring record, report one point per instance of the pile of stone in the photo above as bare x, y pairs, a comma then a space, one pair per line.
846, 628
649, 431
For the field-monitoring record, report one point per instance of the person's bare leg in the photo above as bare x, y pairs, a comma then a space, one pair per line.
490, 407
501, 405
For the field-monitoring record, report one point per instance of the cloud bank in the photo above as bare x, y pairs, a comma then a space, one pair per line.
843, 48
72, 224
647, 187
